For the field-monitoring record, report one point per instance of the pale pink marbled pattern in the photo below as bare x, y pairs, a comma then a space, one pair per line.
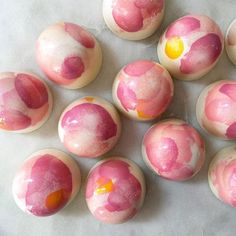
183, 27
174, 150
144, 87
121, 201
130, 15
88, 129
37, 179
202, 54
222, 176
202, 46
219, 109
24, 101
66, 53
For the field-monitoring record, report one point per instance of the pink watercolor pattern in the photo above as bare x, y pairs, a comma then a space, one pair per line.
39, 178
89, 130
144, 87
130, 15
24, 101
122, 201
222, 176
203, 40
219, 114
174, 150
64, 70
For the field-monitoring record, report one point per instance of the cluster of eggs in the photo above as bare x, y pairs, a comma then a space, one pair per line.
89, 127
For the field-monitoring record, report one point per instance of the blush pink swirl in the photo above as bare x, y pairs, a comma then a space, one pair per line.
174, 150
222, 175
216, 109
191, 46
69, 55
115, 190
143, 90
25, 102
46, 182
89, 127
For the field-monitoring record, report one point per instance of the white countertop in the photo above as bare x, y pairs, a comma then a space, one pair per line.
182, 209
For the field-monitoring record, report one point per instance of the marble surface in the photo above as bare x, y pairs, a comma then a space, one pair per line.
170, 208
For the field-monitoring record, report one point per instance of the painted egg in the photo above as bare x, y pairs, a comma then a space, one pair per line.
25, 102
216, 109
143, 90
222, 175
115, 190
89, 127
133, 19
174, 150
46, 182
230, 42
190, 47
69, 55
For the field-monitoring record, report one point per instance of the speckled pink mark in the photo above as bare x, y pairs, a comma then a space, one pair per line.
130, 15
48, 175
72, 67
183, 27
80, 35
126, 191
32, 91
203, 53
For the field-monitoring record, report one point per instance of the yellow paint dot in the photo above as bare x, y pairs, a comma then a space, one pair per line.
89, 99
143, 115
174, 47
54, 199
104, 187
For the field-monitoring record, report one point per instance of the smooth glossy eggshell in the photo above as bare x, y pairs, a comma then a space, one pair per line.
89, 127
190, 47
46, 182
133, 19
143, 90
174, 150
115, 190
69, 55
222, 175
25, 102
216, 109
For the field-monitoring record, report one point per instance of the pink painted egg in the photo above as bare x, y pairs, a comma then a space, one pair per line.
89, 127
230, 42
115, 190
69, 55
174, 150
25, 102
216, 109
143, 90
190, 47
133, 19
46, 182
222, 175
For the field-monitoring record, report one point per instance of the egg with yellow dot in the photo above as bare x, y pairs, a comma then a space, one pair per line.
46, 182
190, 47
115, 190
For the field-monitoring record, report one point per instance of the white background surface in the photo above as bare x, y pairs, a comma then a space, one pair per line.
170, 208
